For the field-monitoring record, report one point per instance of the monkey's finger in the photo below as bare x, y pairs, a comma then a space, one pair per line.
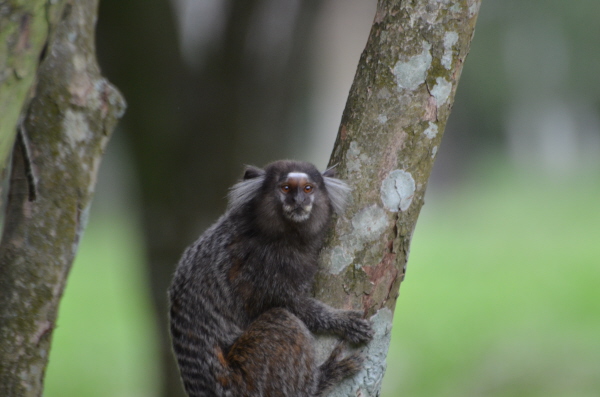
359, 331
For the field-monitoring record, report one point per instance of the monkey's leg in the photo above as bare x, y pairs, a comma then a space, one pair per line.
274, 357
336, 368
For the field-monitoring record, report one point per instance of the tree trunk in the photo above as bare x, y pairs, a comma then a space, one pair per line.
388, 139
65, 129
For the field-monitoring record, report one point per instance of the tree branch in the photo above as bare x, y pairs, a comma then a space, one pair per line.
388, 139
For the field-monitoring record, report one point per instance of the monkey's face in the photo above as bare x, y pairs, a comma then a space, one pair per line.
297, 194
288, 193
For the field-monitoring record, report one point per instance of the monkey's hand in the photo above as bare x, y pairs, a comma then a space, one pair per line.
320, 317
355, 329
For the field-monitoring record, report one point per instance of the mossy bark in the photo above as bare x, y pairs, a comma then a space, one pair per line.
65, 127
25, 26
390, 132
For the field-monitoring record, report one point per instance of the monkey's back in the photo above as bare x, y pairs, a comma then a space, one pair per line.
204, 317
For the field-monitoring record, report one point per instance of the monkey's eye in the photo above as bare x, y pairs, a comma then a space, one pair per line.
308, 189
285, 188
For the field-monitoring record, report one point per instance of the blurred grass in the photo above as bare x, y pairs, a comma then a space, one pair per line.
502, 292
104, 345
501, 298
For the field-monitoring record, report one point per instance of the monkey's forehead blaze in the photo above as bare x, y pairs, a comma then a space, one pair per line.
296, 179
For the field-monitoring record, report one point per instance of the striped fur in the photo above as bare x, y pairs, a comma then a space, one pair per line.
241, 318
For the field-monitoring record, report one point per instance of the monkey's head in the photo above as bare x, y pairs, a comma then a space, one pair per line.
289, 192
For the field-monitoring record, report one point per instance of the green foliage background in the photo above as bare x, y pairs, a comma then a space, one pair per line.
500, 299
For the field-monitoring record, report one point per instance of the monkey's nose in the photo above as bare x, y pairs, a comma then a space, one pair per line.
300, 199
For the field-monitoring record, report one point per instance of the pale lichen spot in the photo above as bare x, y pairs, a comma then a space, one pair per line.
353, 158
397, 190
367, 226
431, 131
338, 258
369, 223
474, 8
76, 127
384, 93
456, 8
412, 73
382, 118
441, 91
450, 40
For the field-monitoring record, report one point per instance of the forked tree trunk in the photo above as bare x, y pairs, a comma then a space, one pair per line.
390, 133
65, 128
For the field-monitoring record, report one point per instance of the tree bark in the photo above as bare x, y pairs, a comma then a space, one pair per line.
24, 30
388, 139
65, 129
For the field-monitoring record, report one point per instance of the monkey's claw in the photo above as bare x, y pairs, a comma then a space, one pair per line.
357, 329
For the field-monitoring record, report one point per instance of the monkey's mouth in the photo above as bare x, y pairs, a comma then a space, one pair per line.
297, 213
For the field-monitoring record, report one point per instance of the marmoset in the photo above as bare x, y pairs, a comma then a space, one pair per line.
241, 316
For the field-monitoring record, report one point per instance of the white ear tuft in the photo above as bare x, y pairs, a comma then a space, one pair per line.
245, 190
338, 192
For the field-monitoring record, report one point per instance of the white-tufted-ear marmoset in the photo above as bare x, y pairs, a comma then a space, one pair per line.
241, 315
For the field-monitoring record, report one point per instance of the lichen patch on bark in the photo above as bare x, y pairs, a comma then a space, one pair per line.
441, 91
397, 190
450, 40
431, 130
366, 226
410, 74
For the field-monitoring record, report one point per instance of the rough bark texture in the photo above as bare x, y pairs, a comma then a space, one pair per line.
24, 29
66, 126
389, 135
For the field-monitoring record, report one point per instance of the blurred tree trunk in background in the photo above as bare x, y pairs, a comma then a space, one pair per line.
66, 123
388, 139
190, 130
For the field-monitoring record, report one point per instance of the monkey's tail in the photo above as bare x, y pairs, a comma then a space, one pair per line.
335, 368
